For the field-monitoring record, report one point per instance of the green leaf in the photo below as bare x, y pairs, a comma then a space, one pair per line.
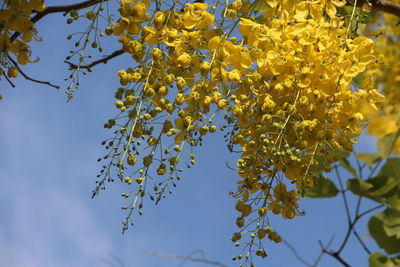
346, 164
260, 19
383, 227
322, 164
357, 81
342, 153
394, 201
261, 6
344, 11
391, 223
386, 143
359, 187
391, 168
377, 259
382, 189
383, 186
369, 159
324, 188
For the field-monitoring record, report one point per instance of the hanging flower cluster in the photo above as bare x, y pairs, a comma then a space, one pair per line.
281, 82
386, 119
277, 76
15, 19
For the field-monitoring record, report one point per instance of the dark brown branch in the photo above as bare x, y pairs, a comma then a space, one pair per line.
322, 253
334, 255
28, 77
186, 258
58, 9
381, 5
94, 63
8, 80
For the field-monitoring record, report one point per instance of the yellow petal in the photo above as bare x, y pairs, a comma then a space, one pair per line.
180, 137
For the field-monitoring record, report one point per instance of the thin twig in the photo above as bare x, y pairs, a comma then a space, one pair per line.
107, 262
296, 254
335, 255
28, 77
367, 211
8, 80
201, 252
346, 205
188, 258
322, 253
116, 259
353, 223
361, 242
94, 63
343, 192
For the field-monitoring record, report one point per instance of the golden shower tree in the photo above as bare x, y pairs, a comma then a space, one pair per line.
290, 84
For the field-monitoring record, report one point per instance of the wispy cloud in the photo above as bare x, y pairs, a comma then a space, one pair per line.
48, 227
45, 216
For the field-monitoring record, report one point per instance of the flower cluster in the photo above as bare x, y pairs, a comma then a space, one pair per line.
281, 84
386, 119
15, 19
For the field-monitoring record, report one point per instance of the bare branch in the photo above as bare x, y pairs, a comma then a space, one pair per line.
121, 264
296, 254
334, 255
117, 259
187, 258
346, 205
107, 262
28, 77
8, 80
322, 253
94, 63
361, 241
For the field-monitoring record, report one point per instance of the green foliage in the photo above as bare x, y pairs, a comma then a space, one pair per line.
384, 188
368, 158
391, 168
325, 188
377, 259
386, 143
261, 6
344, 162
384, 227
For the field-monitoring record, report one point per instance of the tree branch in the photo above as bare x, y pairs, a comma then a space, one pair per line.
186, 258
381, 5
58, 9
296, 254
8, 80
121, 264
334, 255
361, 241
322, 253
94, 63
28, 77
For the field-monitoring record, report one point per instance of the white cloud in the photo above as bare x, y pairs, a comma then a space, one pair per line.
48, 227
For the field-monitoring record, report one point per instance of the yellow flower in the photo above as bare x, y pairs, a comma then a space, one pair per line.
12, 72
151, 35
239, 56
184, 60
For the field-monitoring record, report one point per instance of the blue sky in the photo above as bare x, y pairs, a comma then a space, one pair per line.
48, 152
